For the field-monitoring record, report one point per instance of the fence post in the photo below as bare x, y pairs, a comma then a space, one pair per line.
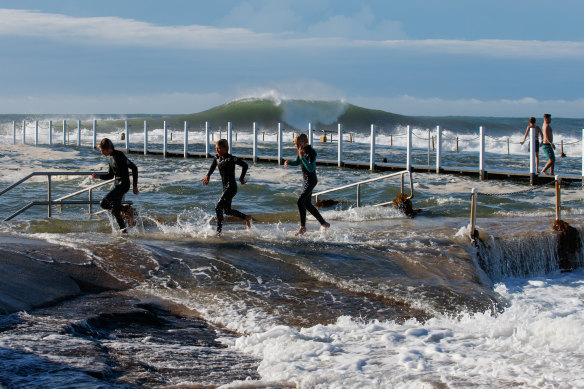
64, 132
13, 132
94, 133
230, 136
340, 143
206, 139
255, 141
145, 137
127, 136
279, 143
473, 214
310, 134
438, 148
372, 155
186, 139
409, 148
482, 153
532, 167
558, 198
36, 132
24, 132
165, 141
78, 132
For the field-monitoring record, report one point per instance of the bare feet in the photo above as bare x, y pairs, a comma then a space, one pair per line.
300, 231
325, 225
130, 216
247, 221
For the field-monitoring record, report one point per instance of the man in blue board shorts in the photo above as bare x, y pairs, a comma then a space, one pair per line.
548, 144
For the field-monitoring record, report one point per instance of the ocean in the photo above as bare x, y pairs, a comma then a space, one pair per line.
379, 300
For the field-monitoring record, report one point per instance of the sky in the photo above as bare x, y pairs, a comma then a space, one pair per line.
506, 58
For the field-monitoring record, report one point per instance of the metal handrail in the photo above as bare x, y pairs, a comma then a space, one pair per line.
358, 185
50, 202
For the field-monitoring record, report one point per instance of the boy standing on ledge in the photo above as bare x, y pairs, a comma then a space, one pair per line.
118, 168
226, 163
548, 144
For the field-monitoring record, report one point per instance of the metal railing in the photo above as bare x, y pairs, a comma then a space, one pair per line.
358, 185
61, 200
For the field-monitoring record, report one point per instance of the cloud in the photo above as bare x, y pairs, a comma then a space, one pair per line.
338, 32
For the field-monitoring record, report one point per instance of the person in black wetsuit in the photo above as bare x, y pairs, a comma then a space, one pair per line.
307, 159
226, 163
118, 168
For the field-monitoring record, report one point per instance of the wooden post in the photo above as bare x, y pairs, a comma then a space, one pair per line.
409, 149
482, 153
36, 132
532, 167
145, 137
390, 140
457, 144
255, 141
186, 153
64, 132
24, 132
473, 214
126, 127
78, 132
230, 136
279, 143
94, 133
207, 140
558, 199
310, 134
340, 144
438, 148
165, 140
562, 149
372, 154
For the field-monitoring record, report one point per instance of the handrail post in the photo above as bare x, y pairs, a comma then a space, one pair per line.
438, 148
230, 136
186, 139
13, 132
24, 132
64, 132
255, 141
429, 146
90, 198
127, 136
558, 198
94, 133
402, 184
482, 153
206, 139
532, 167
310, 134
145, 137
49, 195
358, 195
78, 132
473, 213
165, 141
409, 148
372, 154
279, 143
36, 132
340, 143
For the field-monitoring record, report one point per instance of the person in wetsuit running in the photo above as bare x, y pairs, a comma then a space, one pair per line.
226, 163
118, 168
307, 158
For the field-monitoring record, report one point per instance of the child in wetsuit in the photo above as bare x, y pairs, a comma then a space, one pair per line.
306, 157
226, 163
118, 168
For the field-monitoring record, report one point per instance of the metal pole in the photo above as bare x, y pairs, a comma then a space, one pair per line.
90, 199
409, 149
482, 153
310, 134
438, 148
340, 143
558, 198
145, 137
206, 139
429, 144
78, 132
532, 167
473, 213
582, 157
186, 139
255, 141
64, 132
94, 133
49, 195
127, 136
230, 136
279, 143
165, 142
358, 195
36, 132
50, 132
372, 154
13, 132
508, 146
23, 132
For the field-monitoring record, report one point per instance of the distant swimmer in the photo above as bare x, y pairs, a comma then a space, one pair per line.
226, 163
307, 159
548, 146
538, 135
118, 169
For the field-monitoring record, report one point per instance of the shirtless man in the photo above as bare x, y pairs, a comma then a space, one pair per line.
548, 146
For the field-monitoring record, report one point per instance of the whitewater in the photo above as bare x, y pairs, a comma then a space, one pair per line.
379, 300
